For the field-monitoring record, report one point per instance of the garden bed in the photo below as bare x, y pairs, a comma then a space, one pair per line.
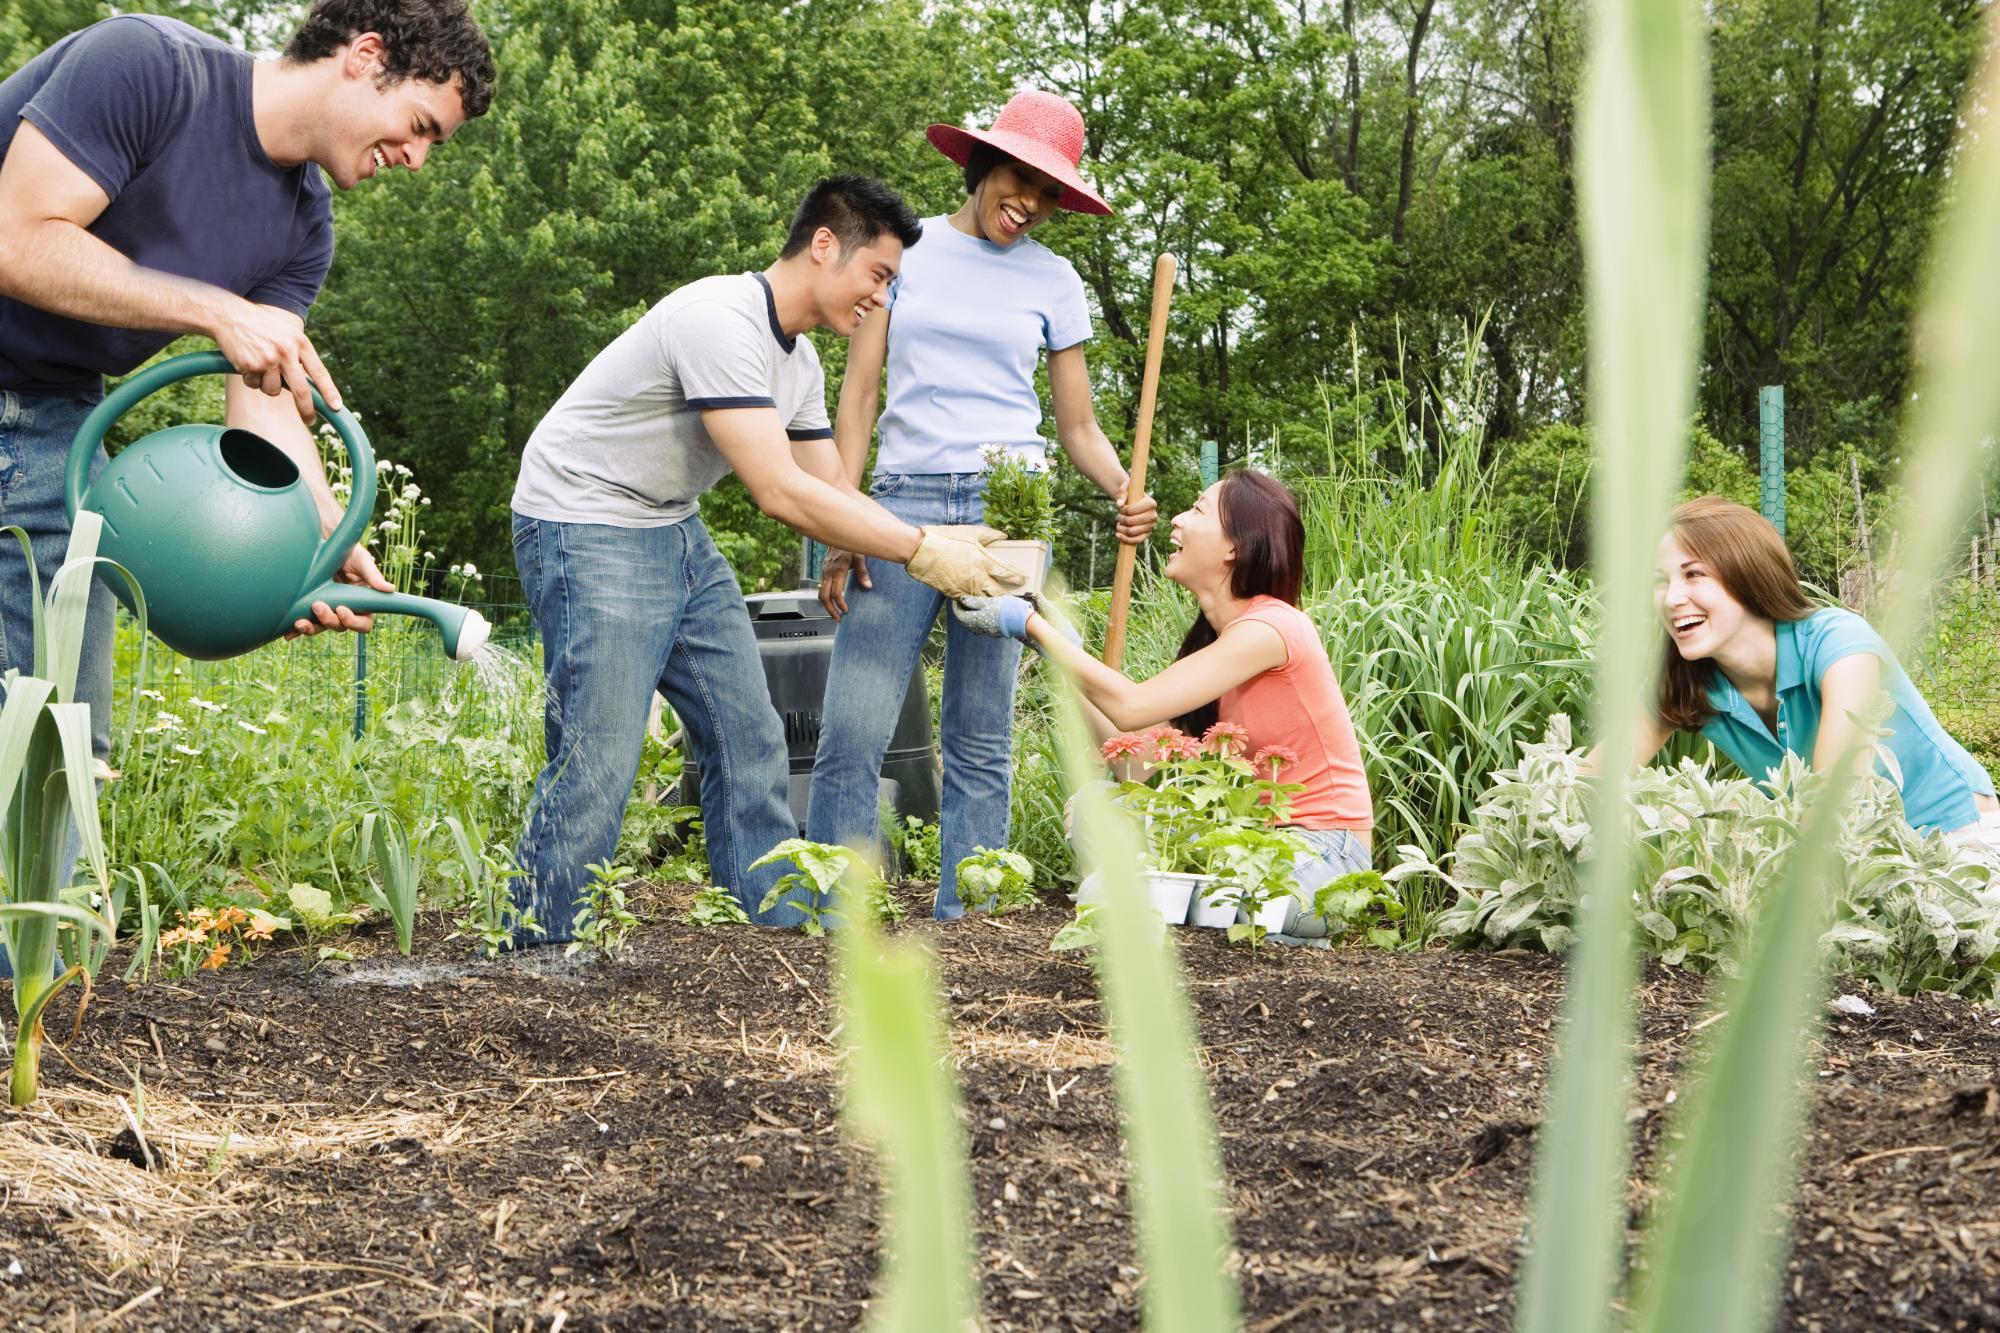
652, 1143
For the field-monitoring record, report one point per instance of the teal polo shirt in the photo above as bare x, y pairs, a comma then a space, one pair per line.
1939, 777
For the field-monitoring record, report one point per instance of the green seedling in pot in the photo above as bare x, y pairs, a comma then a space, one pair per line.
1253, 866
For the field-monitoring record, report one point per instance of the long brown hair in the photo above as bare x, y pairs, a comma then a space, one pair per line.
1748, 557
1261, 520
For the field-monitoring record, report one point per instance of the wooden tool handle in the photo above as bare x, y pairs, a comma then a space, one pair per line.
1142, 444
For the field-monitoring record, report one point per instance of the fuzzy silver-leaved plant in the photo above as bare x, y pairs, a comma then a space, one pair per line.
1910, 911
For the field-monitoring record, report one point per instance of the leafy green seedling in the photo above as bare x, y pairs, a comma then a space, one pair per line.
996, 881
717, 906
814, 888
602, 920
1362, 901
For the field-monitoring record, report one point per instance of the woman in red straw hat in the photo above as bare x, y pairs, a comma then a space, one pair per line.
976, 305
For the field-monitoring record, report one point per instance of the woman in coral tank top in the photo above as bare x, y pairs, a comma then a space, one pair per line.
1252, 662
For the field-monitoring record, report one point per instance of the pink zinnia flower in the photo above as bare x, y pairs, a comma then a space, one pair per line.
1177, 745
1227, 738
1122, 747
1277, 756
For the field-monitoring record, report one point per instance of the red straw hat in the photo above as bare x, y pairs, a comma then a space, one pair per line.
1037, 128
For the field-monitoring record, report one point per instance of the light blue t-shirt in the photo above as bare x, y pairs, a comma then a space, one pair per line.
1939, 777
968, 322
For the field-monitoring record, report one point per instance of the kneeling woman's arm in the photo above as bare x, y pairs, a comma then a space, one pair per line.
1243, 651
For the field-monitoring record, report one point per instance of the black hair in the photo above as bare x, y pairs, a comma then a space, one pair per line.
856, 209
979, 164
436, 41
1261, 520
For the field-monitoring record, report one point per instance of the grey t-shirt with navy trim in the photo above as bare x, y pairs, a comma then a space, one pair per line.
625, 444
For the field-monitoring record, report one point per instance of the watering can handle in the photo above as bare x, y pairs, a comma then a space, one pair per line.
360, 504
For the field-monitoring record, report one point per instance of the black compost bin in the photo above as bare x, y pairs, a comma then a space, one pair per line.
795, 642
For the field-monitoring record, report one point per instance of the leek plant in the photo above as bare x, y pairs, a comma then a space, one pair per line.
901, 1097
48, 786
1713, 1253
398, 864
1177, 1198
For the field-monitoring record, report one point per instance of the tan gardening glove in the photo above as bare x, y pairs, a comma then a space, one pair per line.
952, 558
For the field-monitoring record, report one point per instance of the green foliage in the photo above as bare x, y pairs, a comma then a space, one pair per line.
1361, 902
716, 906
996, 881
918, 845
1178, 1203
901, 1097
487, 911
398, 861
831, 884
1253, 866
602, 921
1908, 909
315, 908
1017, 495
47, 788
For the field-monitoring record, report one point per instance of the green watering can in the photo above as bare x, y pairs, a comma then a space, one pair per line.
219, 530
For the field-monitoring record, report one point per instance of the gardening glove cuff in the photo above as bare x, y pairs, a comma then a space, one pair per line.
995, 617
953, 560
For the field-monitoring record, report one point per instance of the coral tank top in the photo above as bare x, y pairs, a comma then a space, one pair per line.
1299, 707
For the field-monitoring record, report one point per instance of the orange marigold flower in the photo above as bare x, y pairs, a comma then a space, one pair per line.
179, 935
230, 917
217, 959
1227, 738
257, 930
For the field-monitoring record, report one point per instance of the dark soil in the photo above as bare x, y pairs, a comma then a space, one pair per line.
653, 1143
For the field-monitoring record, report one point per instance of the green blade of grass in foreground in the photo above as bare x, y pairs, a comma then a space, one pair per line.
1183, 1230
901, 1097
1642, 176
1715, 1260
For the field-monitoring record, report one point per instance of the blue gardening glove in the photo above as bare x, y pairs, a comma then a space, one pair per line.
995, 617
1007, 617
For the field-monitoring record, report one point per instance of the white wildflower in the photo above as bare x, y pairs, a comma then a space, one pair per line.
382, 465
186, 749
205, 705
154, 695
410, 492
252, 728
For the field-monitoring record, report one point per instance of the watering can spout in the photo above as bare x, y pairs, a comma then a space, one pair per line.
464, 630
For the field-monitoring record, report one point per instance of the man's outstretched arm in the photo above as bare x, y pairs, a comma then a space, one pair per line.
50, 261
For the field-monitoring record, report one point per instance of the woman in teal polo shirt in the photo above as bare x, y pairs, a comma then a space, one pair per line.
1753, 666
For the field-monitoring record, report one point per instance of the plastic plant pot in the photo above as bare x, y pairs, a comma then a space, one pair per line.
1271, 916
1173, 893
1214, 913
1031, 559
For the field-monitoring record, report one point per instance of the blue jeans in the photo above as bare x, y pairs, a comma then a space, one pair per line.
35, 435
874, 651
1329, 854
624, 612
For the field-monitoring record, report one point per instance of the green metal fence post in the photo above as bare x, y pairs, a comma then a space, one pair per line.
1771, 454
1211, 465
360, 685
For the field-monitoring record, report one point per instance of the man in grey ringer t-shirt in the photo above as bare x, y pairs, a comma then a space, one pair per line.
629, 591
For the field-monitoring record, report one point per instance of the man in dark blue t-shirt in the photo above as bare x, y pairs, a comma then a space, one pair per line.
157, 182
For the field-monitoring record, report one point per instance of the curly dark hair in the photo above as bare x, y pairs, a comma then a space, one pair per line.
432, 40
